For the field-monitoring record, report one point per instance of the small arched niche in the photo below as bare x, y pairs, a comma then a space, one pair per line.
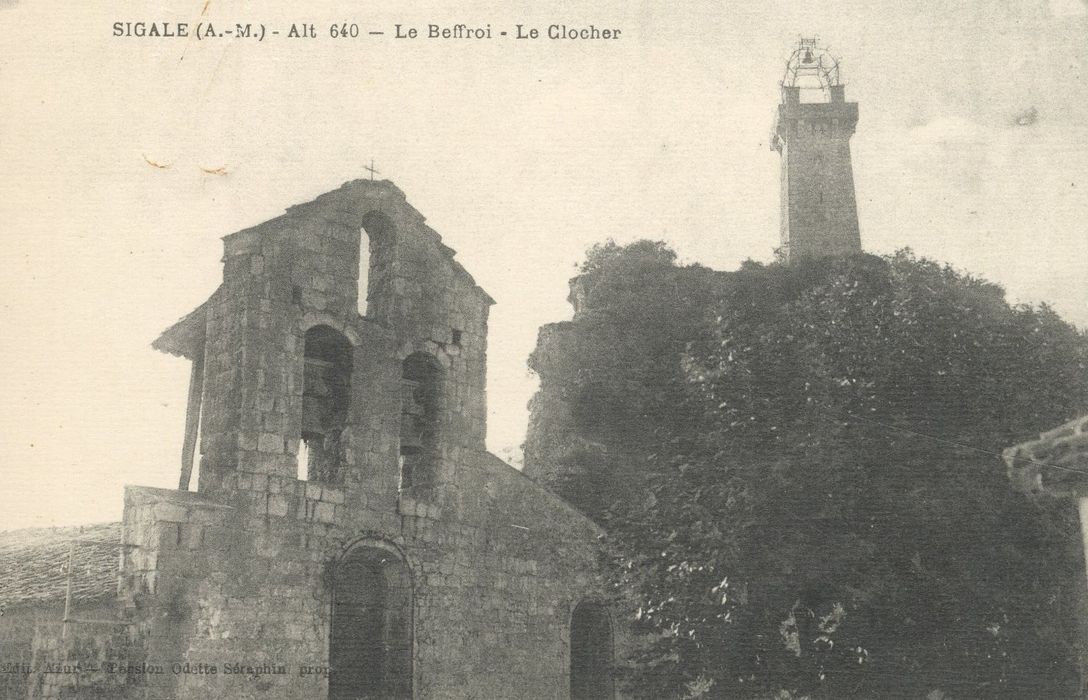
421, 401
591, 652
370, 639
326, 398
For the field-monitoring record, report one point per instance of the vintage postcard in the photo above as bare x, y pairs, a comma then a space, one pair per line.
543, 350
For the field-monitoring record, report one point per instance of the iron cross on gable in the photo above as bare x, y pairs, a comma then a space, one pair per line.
370, 169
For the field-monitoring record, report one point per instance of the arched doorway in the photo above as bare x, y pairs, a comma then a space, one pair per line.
591, 653
370, 641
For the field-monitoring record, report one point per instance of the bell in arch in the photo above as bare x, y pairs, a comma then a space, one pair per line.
411, 420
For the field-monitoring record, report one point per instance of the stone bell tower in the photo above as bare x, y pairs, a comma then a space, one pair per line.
819, 210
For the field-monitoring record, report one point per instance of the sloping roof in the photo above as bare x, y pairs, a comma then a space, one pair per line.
1056, 463
34, 563
498, 465
186, 337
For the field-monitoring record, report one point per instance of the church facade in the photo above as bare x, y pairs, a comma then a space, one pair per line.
349, 535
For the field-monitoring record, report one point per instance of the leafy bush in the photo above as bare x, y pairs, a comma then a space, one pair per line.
799, 469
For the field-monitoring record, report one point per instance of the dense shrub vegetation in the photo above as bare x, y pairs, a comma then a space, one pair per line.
798, 468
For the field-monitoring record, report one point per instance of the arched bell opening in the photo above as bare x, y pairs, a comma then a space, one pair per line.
326, 398
421, 399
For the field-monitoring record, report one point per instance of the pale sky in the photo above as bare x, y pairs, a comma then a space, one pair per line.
520, 154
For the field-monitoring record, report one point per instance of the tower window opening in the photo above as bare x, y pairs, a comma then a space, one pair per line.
376, 294
326, 397
364, 271
303, 459
419, 435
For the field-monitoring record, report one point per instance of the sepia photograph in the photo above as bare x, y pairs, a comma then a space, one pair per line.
574, 350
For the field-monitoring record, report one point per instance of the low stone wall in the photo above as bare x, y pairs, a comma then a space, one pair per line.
16, 650
88, 660
17, 627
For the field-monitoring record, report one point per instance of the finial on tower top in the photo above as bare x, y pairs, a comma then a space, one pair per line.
819, 207
811, 67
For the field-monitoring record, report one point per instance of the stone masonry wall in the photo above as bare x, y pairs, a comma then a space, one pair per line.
819, 208
91, 660
239, 575
17, 626
494, 587
300, 270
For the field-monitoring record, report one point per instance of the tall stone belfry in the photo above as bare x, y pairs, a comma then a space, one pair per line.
350, 536
812, 131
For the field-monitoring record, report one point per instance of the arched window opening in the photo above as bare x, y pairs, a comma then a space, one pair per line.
364, 271
421, 385
370, 641
375, 261
591, 653
303, 460
326, 396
